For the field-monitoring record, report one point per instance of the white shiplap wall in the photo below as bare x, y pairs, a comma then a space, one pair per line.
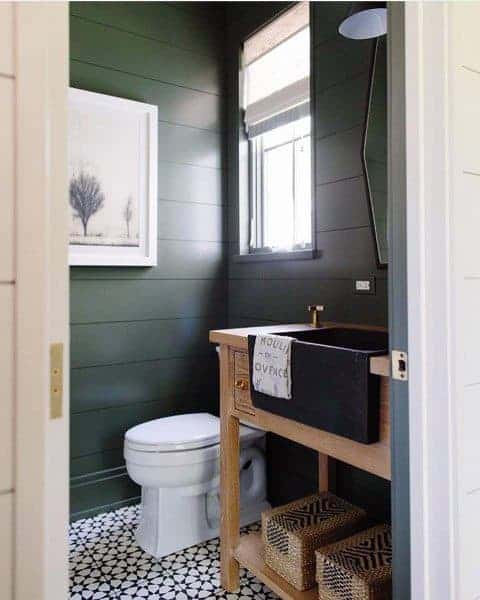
7, 294
464, 43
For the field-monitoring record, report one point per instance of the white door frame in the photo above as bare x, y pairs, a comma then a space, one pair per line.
42, 292
429, 322
442, 68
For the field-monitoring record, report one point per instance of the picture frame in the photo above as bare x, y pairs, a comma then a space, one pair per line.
112, 171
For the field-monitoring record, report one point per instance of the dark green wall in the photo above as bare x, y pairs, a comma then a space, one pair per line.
271, 292
139, 337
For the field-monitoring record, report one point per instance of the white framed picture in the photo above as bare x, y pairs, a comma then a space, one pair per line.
112, 167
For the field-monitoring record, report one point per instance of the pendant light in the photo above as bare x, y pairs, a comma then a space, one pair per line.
365, 20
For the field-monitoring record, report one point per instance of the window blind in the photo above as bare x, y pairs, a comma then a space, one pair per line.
276, 69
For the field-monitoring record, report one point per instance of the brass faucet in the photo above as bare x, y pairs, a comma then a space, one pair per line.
315, 309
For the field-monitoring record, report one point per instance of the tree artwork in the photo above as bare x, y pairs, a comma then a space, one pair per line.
128, 213
86, 197
112, 179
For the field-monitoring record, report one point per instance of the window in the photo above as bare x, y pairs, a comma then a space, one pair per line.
281, 188
276, 70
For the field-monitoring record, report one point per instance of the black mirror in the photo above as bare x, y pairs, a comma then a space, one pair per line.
375, 149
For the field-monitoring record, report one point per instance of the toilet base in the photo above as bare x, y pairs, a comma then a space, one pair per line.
170, 521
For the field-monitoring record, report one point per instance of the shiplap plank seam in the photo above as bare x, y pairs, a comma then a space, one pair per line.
147, 360
156, 79
143, 36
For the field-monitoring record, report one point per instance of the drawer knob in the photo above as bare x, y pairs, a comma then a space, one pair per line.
241, 384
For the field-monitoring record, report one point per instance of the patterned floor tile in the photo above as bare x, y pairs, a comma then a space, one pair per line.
105, 562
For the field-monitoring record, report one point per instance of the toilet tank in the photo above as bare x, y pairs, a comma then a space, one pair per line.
251, 436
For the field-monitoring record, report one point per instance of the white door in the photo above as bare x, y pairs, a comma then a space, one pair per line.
442, 130
33, 300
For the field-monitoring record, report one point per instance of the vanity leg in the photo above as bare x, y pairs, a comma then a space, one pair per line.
322, 472
229, 479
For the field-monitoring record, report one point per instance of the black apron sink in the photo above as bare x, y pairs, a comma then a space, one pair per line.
332, 387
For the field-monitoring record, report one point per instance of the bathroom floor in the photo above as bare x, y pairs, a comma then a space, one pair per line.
105, 562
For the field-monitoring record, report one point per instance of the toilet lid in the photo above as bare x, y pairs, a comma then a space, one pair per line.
180, 432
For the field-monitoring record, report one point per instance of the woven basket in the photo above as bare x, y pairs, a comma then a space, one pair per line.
358, 568
293, 532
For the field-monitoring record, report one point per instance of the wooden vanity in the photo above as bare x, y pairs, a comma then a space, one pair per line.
236, 405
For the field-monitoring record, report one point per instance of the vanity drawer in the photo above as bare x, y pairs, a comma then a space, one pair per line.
241, 383
240, 360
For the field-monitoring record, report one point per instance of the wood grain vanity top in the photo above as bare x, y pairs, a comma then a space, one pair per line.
379, 365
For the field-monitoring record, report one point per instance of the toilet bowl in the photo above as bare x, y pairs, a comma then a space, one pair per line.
176, 461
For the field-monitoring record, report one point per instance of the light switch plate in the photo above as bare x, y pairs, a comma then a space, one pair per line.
364, 286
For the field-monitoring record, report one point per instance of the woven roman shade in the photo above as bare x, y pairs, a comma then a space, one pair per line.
276, 69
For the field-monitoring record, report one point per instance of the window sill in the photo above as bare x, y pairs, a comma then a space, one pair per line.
275, 256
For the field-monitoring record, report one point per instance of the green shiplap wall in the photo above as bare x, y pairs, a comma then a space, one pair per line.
139, 337
279, 292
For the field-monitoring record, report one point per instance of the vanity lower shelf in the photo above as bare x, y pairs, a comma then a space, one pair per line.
249, 554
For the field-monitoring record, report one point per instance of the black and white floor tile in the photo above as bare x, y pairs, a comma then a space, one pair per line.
105, 562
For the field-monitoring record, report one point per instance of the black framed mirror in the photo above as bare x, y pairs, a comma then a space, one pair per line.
374, 149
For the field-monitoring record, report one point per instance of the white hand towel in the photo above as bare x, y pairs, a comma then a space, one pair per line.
272, 365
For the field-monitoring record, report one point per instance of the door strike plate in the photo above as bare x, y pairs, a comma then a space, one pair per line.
56, 380
399, 365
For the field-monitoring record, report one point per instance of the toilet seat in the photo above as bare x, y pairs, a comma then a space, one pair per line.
179, 440
171, 434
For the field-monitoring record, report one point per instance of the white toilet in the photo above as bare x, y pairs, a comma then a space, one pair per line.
176, 461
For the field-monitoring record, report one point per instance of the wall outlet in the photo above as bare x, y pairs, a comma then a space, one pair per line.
364, 286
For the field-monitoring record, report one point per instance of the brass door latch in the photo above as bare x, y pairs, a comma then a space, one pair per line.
399, 365
56, 380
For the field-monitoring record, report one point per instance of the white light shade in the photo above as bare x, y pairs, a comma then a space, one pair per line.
365, 24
